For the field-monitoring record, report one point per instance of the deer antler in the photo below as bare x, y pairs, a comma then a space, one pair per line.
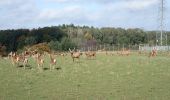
70, 50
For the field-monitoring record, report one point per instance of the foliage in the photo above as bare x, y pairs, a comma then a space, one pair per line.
41, 47
64, 45
58, 36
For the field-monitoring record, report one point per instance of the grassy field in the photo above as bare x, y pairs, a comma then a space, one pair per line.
131, 77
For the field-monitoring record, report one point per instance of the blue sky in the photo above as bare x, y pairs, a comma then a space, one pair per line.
98, 13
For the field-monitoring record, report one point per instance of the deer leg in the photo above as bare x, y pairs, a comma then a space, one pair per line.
53, 66
13, 63
42, 67
38, 66
50, 67
24, 64
78, 59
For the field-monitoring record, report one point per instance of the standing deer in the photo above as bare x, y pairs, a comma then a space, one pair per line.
75, 54
52, 62
39, 60
153, 53
16, 59
13, 58
23, 59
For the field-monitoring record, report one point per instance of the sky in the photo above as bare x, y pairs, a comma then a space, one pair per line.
15, 14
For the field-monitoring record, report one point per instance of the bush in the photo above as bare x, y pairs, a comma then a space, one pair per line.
41, 47
64, 45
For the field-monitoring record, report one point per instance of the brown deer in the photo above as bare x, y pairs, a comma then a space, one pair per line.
153, 53
13, 58
52, 62
39, 60
125, 52
109, 53
23, 59
16, 59
75, 54
90, 54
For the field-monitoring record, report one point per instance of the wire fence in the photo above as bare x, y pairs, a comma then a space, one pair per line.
149, 48
140, 47
108, 47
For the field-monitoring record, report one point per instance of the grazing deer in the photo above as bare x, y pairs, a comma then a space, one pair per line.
90, 54
75, 54
52, 62
124, 52
109, 53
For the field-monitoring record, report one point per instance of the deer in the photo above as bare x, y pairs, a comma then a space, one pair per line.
125, 52
153, 53
10, 55
90, 54
16, 59
23, 59
75, 54
109, 53
13, 58
39, 60
52, 61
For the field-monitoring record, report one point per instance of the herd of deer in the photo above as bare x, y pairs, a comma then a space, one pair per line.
23, 58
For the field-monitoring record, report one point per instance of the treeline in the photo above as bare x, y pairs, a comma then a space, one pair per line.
68, 36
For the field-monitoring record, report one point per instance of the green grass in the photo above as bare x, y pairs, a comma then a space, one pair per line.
105, 78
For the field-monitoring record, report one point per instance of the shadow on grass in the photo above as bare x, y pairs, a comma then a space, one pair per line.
58, 68
46, 68
26, 66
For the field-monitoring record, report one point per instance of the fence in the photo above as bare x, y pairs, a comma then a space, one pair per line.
108, 47
149, 48
120, 47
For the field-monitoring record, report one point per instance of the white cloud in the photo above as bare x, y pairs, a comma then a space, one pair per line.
140, 4
70, 12
135, 5
17, 14
115, 13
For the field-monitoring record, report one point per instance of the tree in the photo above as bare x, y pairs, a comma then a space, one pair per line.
88, 36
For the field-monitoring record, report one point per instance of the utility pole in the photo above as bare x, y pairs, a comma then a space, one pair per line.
162, 18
